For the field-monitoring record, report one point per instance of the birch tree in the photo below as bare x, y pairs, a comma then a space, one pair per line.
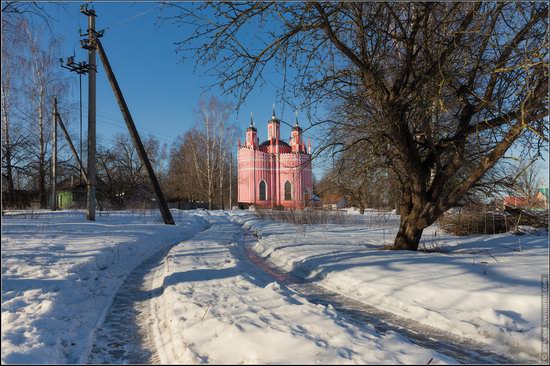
15, 137
43, 82
212, 116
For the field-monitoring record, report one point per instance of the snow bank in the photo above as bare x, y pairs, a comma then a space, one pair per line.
482, 287
60, 273
218, 308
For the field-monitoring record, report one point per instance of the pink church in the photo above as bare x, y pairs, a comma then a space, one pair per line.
274, 173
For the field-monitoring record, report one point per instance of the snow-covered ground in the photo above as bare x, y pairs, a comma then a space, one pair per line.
60, 273
487, 288
210, 304
216, 307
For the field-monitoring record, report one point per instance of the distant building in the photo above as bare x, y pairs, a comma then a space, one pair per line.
71, 193
333, 202
540, 200
274, 173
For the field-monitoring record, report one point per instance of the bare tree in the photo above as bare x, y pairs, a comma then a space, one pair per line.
23, 8
108, 172
524, 180
199, 160
182, 183
17, 11
365, 180
44, 82
13, 136
448, 87
210, 149
121, 173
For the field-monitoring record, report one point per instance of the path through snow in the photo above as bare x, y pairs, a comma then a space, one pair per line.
461, 349
211, 299
125, 335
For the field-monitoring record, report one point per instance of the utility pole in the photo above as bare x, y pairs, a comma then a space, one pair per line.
81, 156
71, 146
230, 180
80, 68
90, 44
163, 207
75, 154
53, 198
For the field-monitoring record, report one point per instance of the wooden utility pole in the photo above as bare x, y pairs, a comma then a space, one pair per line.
90, 44
81, 156
53, 198
230, 180
165, 212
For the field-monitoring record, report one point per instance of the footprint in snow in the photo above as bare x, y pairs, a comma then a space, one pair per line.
321, 343
345, 352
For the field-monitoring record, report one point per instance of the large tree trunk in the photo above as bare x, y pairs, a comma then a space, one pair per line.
409, 234
412, 223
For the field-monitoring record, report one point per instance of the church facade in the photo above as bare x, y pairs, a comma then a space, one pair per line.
274, 173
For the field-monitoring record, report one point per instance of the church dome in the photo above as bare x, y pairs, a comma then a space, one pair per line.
267, 143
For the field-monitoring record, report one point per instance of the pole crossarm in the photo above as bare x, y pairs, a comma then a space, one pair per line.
80, 68
165, 212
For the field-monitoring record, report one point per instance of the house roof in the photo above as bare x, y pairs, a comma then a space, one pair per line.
331, 198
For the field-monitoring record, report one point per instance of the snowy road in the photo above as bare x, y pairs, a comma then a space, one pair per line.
461, 349
60, 274
75, 291
125, 335
481, 287
211, 299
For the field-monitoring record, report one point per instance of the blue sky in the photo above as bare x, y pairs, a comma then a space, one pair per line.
160, 89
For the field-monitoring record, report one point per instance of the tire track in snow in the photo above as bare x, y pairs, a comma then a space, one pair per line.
461, 349
125, 336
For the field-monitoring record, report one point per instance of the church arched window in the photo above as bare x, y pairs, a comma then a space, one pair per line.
263, 191
288, 191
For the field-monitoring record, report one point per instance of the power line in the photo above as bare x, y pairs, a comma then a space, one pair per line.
118, 120
163, 139
132, 17
151, 132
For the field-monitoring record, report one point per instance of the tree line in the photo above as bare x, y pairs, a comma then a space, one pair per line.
194, 171
31, 78
201, 166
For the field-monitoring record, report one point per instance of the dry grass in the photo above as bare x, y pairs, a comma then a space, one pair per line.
470, 222
304, 217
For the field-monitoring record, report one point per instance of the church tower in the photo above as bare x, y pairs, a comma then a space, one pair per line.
273, 128
251, 135
296, 141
